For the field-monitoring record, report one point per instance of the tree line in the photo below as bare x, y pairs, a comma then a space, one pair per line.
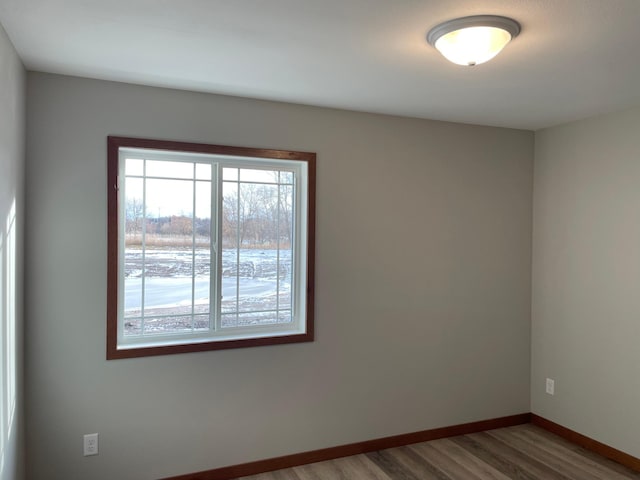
256, 217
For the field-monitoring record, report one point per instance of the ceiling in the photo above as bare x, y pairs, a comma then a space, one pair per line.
573, 58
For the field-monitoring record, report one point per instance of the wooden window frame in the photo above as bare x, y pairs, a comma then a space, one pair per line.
114, 143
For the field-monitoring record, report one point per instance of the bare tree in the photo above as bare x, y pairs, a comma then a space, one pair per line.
257, 215
134, 215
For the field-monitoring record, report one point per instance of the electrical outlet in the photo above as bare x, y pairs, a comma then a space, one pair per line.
90, 444
551, 386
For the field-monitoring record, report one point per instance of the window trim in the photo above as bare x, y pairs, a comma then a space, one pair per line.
114, 143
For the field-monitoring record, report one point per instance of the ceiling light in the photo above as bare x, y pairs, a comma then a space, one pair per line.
473, 40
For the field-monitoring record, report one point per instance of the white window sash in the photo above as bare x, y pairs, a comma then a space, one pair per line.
216, 331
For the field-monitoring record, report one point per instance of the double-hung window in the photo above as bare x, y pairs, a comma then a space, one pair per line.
209, 247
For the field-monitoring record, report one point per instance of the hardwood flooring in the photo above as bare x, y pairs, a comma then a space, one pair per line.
523, 452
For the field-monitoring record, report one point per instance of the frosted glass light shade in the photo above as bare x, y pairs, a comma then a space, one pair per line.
473, 40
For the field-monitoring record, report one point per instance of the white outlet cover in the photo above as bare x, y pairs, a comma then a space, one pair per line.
90, 446
550, 386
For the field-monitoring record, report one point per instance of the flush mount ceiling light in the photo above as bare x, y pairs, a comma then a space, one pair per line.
473, 40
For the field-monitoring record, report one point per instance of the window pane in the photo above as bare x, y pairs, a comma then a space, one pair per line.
229, 320
285, 280
165, 295
285, 219
263, 176
201, 322
133, 226
258, 280
203, 205
230, 174
230, 243
167, 325
134, 166
161, 168
202, 250
167, 198
203, 171
257, 274
285, 244
132, 326
230, 210
168, 256
284, 316
229, 280
133, 210
286, 177
133, 294
255, 319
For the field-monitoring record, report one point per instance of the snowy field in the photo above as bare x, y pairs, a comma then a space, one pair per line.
251, 280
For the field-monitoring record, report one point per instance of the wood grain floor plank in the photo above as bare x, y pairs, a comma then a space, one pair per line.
357, 467
484, 470
522, 452
361, 467
286, 474
317, 471
533, 450
503, 465
607, 469
533, 466
451, 466
394, 469
416, 464
304, 472
579, 459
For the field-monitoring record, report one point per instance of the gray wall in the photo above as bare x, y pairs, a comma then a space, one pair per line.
12, 161
586, 275
422, 287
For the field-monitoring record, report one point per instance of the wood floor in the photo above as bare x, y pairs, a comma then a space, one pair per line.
523, 452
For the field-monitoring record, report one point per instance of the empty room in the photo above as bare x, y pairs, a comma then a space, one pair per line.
309, 240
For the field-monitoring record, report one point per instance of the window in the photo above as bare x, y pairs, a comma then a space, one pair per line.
209, 247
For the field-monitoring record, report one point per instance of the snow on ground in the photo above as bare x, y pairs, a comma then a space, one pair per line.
253, 283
